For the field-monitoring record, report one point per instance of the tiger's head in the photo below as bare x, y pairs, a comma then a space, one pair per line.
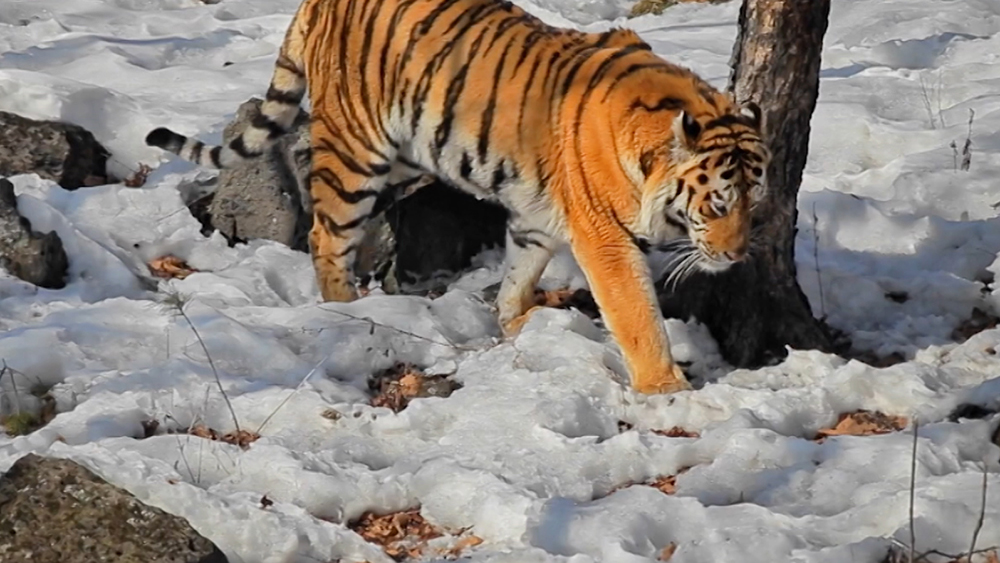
720, 165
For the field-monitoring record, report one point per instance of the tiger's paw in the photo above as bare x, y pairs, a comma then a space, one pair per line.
673, 382
513, 327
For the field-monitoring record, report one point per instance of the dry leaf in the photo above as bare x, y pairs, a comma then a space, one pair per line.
666, 484
677, 432
402, 535
462, 544
170, 267
864, 423
331, 414
992, 557
667, 552
243, 438
580, 299
138, 178
395, 387
266, 502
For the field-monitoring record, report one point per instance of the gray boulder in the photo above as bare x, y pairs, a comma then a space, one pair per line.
33, 257
262, 197
55, 511
61, 152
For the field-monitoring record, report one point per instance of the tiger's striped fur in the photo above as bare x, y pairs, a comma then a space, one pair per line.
587, 139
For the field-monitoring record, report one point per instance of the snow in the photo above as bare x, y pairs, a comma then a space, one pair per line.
528, 454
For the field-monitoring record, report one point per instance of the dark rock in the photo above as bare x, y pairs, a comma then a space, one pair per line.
55, 511
65, 153
33, 257
439, 229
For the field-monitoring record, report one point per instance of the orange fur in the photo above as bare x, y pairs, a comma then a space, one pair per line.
588, 139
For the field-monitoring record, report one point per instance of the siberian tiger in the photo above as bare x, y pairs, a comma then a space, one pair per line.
586, 138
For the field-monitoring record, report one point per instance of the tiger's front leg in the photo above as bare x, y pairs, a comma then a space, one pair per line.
343, 199
620, 281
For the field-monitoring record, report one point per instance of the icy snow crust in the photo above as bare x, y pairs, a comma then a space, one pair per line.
526, 452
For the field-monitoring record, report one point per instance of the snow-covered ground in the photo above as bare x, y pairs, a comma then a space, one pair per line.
526, 453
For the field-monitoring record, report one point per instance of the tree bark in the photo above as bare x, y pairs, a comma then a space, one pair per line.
757, 309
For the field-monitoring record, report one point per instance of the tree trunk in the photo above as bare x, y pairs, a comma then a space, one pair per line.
757, 308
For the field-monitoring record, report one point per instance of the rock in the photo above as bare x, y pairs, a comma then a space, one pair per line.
65, 153
55, 511
33, 257
261, 198
439, 230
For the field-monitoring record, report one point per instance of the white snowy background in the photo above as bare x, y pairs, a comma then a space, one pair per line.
526, 452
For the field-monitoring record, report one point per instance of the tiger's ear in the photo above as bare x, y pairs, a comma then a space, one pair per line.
686, 130
752, 111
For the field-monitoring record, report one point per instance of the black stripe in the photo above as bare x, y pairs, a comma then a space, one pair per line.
675, 222
454, 91
659, 67
487, 123
639, 242
240, 148
196, 149
665, 104
331, 180
465, 168
471, 19
346, 158
499, 177
216, 155
261, 121
335, 228
286, 63
292, 98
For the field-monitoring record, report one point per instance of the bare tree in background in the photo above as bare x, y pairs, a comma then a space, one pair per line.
757, 308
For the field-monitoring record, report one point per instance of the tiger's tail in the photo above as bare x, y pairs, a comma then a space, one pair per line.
277, 113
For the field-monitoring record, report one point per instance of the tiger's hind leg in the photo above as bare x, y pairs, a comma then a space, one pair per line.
344, 193
528, 251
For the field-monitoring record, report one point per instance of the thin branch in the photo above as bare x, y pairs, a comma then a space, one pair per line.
289, 397
373, 324
982, 516
952, 556
211, 363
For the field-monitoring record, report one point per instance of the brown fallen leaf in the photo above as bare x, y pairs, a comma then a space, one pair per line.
666, 484
170, 267
395, 387
667, 552
677, 432
402, 535
243, 438
863, 423
138, 177
462, 544
580, 299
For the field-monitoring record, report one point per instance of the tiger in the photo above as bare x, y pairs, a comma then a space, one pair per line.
588, 139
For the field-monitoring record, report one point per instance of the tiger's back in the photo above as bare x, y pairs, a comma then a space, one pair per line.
587, 139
